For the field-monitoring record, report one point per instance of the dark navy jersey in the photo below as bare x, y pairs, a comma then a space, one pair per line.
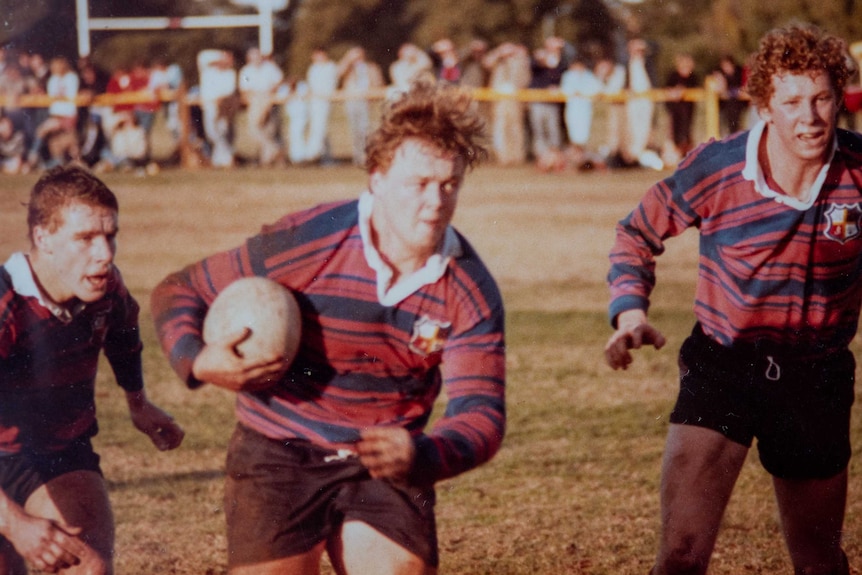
48, 364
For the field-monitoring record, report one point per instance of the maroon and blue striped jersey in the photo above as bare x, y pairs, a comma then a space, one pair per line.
770, 269
48, 361
361, 363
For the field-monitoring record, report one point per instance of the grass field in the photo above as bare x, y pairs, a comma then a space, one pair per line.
574, 488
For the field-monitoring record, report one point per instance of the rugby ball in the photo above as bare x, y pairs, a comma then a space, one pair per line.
266, 308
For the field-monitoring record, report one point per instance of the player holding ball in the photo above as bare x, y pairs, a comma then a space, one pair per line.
396, 305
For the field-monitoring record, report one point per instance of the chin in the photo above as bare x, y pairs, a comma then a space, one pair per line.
90, 296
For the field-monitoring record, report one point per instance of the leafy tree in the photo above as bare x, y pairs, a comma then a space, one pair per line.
381, 26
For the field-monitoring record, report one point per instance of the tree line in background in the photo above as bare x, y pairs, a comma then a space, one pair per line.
704, 28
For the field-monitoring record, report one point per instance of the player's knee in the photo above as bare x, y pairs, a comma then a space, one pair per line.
93, 564
683, 560
840, 567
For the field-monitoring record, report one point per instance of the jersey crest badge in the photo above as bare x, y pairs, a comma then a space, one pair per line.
429, 335
843, 222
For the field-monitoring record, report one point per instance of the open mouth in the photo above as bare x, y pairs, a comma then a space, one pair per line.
97, 282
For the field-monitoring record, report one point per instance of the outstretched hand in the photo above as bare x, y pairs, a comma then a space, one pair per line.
160, 427
633, 331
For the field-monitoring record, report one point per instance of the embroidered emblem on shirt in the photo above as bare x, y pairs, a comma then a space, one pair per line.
429, 335
843, 222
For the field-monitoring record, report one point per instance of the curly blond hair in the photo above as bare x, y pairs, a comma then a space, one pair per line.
798, 49
440, 115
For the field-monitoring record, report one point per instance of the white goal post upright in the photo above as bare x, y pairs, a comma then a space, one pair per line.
262, 20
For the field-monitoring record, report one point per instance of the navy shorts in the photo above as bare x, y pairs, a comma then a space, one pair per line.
798, 409
283, 498
23, 473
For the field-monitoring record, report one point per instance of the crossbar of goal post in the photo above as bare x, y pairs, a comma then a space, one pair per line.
262, 20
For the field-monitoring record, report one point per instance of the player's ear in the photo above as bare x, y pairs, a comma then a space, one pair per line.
374, 180
41, 239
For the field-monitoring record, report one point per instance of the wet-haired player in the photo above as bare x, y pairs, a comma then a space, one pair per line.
61, 304
334, 456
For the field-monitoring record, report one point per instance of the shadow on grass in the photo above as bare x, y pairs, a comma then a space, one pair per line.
150, 480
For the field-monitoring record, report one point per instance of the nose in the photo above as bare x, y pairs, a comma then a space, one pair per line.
103, 249
812, 113
434, 194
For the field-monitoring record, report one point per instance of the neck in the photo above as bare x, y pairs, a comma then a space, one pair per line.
794, 178
44, 278
401, 261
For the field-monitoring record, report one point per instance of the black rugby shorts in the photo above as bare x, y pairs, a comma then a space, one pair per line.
23, 473
798, 409
283, 498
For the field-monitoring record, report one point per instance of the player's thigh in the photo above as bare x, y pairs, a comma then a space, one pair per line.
304, 564
699, 471
79, 499
360, 549
11, 563
812, 518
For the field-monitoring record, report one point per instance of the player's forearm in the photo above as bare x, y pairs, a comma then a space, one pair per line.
178, 313
9, 510
461, 441
136, 400
443, 455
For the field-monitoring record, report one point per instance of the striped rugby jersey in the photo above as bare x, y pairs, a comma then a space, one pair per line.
770, 268
361, 363
48, 360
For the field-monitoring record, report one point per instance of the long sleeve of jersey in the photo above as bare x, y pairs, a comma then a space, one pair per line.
767, 270
360, 363
48, 366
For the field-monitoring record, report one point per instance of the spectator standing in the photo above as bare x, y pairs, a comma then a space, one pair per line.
296, 108
218, 94
580, 87
39, 71
322, 79
509, 66
59, 132
412, 64
680, 109
612, 77
640, 108
259, 80
358, 78
447, 61
730, 76
546, 69
474, 74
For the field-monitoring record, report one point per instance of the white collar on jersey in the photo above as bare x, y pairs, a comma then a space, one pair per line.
25, 285
390, 294
753, 172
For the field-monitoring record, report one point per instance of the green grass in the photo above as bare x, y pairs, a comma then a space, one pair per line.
574, 488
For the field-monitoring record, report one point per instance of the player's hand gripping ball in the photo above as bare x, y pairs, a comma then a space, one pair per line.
266, 308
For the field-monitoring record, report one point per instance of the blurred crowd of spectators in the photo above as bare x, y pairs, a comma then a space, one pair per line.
554, 133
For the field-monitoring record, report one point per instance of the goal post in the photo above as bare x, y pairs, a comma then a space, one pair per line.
263, 20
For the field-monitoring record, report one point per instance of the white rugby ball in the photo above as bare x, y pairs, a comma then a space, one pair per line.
266, 308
